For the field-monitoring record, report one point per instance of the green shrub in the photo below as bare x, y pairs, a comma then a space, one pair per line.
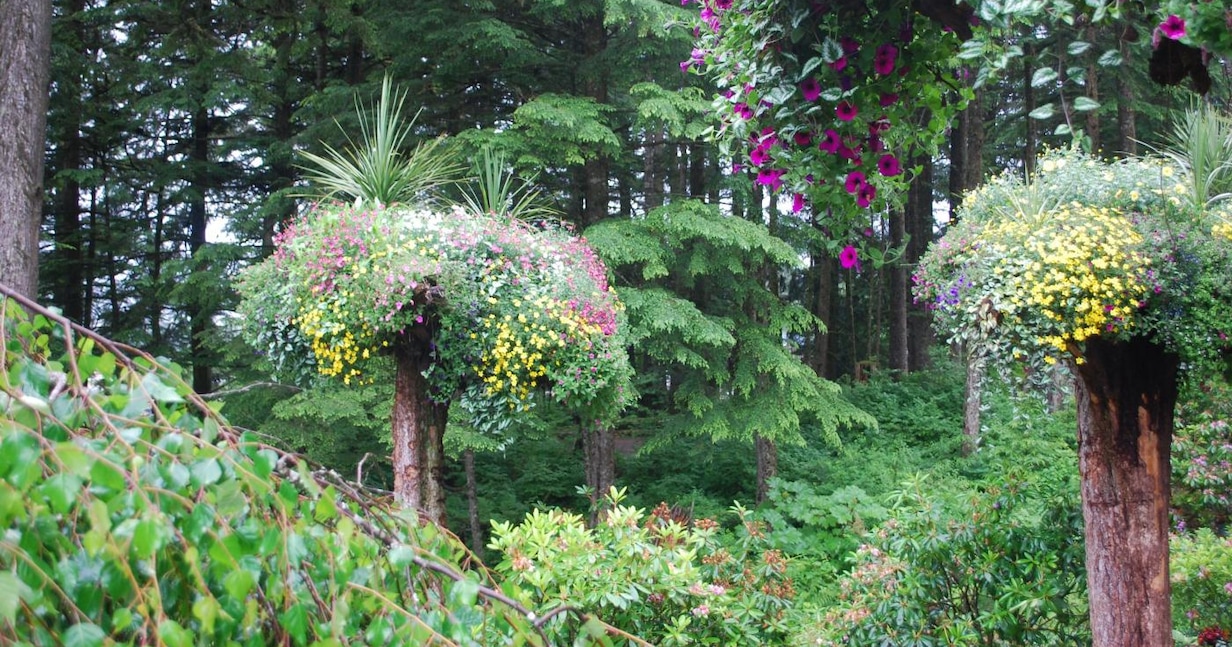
981, 571
1201, 564
131, 514
652, 576
1202, 458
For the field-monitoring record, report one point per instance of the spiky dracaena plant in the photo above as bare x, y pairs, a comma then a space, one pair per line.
495, 188
1200, 142
376, 169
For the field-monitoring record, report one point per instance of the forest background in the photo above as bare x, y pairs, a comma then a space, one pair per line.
175, 134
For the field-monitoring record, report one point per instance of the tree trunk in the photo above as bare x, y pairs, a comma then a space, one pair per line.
920, 230
599, 446
418, 430
1126, 395
199, 313
1028, 105
973, 395
1092, 84
1126, 117
822, 266
900, 295
25, 70
767, 465
472, 502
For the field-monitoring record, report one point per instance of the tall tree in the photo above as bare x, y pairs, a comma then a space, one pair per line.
25, 70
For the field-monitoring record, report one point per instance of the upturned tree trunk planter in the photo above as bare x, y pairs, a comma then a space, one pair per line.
1126, 394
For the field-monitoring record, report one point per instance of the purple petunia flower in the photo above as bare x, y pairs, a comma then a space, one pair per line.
772, 178
830, 141
743, 110
803, 138
855, 182
849, 258
840, 64
846, 111
810, 88
883, 60
866, 195
888, 165
1173, 27
797, 203
888, 99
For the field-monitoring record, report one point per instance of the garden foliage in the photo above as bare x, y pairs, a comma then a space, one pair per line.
133, 514
666, 580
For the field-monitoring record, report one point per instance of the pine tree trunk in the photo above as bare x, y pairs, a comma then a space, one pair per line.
1126, 117
900, 295
1126, 397
418, 431
920, 230
25, 60
767, 465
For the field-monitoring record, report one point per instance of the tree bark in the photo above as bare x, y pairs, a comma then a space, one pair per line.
1126, 117
1126, 395
472, 502
599, 447
25, 71
767, 465
899, 295
973, 395
418, 430
920, 230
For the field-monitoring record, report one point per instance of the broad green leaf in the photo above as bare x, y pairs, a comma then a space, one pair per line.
1110, 58
1085, 104
238, 583
10, 597
62, 491
326, 509
205, 472
84, 635
173, 634
1043, 76
1077, 47
1043, 112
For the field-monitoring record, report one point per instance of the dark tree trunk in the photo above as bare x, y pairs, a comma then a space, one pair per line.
67, 259
198, 312
824, 281
920, 230
1092, 84
472, 502
958, 160
767, 465
652, 174
1126, 395
1028, 105
418, 430
1126, 118
697, 171
599, 447
976, 136
25, 69
899, 295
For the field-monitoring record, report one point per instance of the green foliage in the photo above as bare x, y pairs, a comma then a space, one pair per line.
652, 577
703, 315
496, 189
990, 569
1201, 570
1200, 142
1202, 457
376, 170
1203, 24
508, 307
131, 512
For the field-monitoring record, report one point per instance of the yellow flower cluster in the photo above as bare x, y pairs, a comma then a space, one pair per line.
337, 350
1078, 268
1222, 229
518, 346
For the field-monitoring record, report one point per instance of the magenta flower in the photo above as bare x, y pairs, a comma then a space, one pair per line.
743, 110
849, 44
888, 165
723, 4
846, 111
855, 182
830, 141
797, 203
695, 60
759, 156
840, 64
772, 178
1173, 27
803, 138
888, 99
875, 144
878, 126
883, 60
849, 258
866, 195
810, 88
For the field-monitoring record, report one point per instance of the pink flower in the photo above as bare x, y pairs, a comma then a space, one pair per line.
772, 178
888, 99
1173, 27
850, 46
830, 141
849, 258
743, 110
846, 111
759, 156
855, 182
797, 203
883, 60
803, 138
840, 64
866, 195
810, 88
888, 165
